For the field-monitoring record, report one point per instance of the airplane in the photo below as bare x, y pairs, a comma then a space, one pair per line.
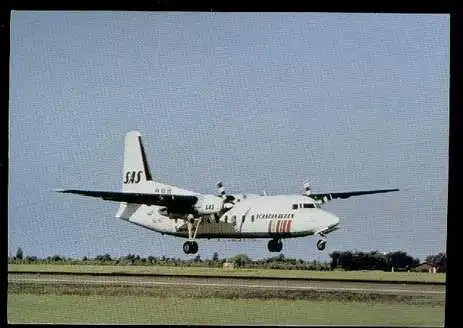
171, 210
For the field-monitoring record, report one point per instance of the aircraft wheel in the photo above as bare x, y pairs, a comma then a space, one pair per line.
187, 247
271, 245
195, 247
321, 244
190, 247
275, 245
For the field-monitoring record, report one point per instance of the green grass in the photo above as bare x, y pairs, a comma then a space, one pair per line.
223, 292
374, 275
28, 308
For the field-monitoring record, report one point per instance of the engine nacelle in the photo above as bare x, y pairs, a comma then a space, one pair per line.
209, 204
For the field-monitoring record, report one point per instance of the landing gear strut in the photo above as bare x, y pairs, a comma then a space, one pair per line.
191, 246
275, 245
321, 244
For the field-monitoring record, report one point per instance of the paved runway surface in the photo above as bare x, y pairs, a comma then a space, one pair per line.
226, 282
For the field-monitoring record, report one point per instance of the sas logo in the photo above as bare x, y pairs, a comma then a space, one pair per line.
132, 177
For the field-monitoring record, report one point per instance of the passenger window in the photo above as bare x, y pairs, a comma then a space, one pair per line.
252, 218
309, 205
294, 206
226, 219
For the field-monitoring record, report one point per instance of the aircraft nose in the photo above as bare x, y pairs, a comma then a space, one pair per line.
333, 219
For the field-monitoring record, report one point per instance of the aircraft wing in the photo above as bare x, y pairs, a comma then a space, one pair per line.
179, 203
329, 196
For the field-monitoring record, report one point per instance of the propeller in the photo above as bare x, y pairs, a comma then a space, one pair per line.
320, 199
307, 189
221, 189
228, 200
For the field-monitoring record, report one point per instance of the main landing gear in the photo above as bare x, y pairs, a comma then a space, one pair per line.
191, 246
275, 245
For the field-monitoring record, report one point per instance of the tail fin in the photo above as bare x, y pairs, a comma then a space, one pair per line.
136, 175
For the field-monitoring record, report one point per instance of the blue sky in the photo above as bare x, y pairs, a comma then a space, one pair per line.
258, 100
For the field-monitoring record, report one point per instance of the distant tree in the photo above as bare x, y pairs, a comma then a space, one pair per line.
372, 260
335, 258
31, 259
129, 257
215, 257
241, 260
107, 257
401, 260
85, 259
19, 254
56, 258
380, 262
346, 260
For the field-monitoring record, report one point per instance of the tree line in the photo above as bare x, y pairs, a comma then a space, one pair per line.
340, 260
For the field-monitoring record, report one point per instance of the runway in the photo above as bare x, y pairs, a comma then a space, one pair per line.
230, 283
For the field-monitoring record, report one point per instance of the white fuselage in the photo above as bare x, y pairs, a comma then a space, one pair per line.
179, 212
253, 216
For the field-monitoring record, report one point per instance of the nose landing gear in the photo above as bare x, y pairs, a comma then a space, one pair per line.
321, 244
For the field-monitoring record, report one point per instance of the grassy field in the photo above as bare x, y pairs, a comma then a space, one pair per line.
30, 308
216, 292
31, 302
359, 275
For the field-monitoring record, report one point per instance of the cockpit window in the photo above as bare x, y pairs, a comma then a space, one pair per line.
294, 206
308, 205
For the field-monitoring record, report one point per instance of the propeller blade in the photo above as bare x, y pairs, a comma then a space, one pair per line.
221, 188
307, 189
